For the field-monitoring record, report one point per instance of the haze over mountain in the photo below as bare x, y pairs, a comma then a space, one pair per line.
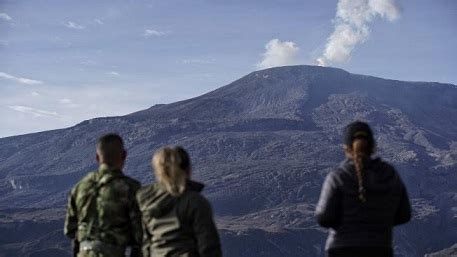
263, 145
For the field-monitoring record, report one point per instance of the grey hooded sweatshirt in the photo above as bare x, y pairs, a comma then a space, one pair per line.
354, 223
177, 226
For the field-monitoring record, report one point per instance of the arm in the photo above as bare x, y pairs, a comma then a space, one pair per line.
403, 213
146, 247
208, 243
71, 220
75, 247
328, 209
136, 227
145, 240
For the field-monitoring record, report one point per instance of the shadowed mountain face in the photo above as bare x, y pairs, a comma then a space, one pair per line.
263, 145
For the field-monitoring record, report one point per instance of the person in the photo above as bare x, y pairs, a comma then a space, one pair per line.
362, 200
177, 220
103, 217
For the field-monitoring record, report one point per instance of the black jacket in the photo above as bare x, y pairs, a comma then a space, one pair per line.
177, 226
353, 223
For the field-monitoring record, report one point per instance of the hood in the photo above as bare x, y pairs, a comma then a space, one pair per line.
157, 202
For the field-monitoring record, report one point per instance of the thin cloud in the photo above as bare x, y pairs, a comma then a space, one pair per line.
279, 53
65, 101
73, 25
5, 17
20, 80
98, 21
89, 63
154, 33
114, 73
197, 61
34, 112
68, 103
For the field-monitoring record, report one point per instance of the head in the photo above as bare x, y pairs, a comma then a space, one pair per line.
110, 151
359, 145
185, 163
172, 169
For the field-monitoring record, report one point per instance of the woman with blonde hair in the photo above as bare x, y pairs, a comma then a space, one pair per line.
177, 220
362, 200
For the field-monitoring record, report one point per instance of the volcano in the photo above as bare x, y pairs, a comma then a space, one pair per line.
263, 145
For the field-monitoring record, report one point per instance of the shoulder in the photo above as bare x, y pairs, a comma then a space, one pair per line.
133, 183
145, 192
385, 167
196, 200
338, 174
89, 178
383, 164
86, 181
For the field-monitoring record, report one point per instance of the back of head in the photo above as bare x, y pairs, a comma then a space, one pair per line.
110, 148
359, 145
169, 169
184, 159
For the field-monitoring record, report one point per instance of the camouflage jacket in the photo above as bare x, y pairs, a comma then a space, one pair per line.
177, 226
102, 206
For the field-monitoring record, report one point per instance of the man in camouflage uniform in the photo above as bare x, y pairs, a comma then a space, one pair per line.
102, 214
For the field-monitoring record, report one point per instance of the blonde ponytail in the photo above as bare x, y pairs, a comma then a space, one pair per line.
166, 163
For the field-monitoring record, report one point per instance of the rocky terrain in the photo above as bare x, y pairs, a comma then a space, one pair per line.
263, 145
452, 251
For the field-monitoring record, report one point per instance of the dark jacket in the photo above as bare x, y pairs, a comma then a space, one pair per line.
354, 223
177, 226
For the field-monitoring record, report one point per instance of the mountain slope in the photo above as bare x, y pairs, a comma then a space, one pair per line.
263, 145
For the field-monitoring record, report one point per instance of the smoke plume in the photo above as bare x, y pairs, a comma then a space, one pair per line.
279, 53
351, 27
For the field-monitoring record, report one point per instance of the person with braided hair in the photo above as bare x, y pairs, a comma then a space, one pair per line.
362, 200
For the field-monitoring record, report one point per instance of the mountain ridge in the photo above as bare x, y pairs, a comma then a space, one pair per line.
263, 145
342, 71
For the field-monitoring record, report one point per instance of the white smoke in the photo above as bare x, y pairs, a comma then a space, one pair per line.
279, 54
351, 26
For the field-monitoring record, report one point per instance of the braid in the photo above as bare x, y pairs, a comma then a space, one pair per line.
359, 154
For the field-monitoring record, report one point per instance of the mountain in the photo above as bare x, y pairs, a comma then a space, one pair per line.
452, 251
263, 145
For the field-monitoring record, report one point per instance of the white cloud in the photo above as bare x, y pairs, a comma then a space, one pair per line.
197, 61
25, 81
89, 63
98, 21
351, 27
279, 54
35, 93
68, 103
85, 101
114, 73
33, 111
153, 33
73, 25
65, 101
5, 17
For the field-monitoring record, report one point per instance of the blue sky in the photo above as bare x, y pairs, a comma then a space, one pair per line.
62, 62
